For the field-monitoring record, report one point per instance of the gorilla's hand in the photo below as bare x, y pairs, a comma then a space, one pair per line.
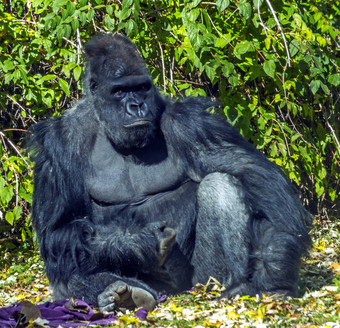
166, 244
120, 295
166, 239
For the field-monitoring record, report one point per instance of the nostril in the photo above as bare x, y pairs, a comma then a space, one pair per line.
132, 108
135, 108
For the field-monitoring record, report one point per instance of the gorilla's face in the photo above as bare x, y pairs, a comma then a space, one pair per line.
126, 102
127, 108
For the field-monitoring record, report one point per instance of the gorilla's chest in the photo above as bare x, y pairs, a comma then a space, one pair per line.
115, 179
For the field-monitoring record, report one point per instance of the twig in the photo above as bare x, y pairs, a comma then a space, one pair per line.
14, 147
70, 42
334, 136
22, 108
265, 28
16, 182
284, 68
284, 135
172, 66
21, 130
79, 46
163, 65
281, 31
212, 23
336, 140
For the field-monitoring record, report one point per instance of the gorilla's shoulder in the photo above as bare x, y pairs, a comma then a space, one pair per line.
193, 120
72, 132
191, 106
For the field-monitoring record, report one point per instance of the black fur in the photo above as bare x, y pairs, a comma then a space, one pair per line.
114, 172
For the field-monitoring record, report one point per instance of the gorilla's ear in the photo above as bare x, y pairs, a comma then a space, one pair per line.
93, 70
93, 83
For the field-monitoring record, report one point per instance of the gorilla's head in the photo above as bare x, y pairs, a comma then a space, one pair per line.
121, 90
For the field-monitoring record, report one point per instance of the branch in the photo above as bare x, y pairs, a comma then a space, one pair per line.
163, 65
281, 31
22, 108
14, 147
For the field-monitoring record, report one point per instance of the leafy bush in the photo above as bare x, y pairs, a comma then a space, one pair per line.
273, 64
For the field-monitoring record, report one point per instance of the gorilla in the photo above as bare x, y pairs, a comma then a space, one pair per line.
136, 195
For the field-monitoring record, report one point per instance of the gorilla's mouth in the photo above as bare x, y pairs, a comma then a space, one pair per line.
138, 123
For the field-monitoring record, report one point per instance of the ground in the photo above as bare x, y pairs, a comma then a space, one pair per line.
22, 278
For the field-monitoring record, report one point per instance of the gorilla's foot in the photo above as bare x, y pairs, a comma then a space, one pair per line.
120, 295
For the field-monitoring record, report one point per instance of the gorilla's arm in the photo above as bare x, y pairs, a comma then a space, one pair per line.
61, 214
209, 144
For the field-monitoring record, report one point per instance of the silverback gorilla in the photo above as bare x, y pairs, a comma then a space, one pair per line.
137, 195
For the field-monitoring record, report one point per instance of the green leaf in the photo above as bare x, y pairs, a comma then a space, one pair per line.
75, 25
322, 173
303, 151
210, 71
334, 79
129, 26
283, 149
332, 194
319, 188
23, 74
47, 97
6, 195
269, 67
221, 42
8, 78
124, 13
325, 88
9, 217
110, 23
64, 85
127, 3
17, 211
245, 9
83, 18
227, 68
57, 4
8, 65
222, 5
315, 85
77, 72
60, 33
90, 15
294, 47
194, 3
47, 77
241, 48
109, 10
257, 3
233, 80
67, 31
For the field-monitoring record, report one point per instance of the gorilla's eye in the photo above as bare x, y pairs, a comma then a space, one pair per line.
117, 92
145, 87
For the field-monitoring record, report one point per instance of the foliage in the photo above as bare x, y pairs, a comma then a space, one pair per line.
273, 64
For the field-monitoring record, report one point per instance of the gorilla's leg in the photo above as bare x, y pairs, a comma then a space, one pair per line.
275, 259
247, 253
222, 243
